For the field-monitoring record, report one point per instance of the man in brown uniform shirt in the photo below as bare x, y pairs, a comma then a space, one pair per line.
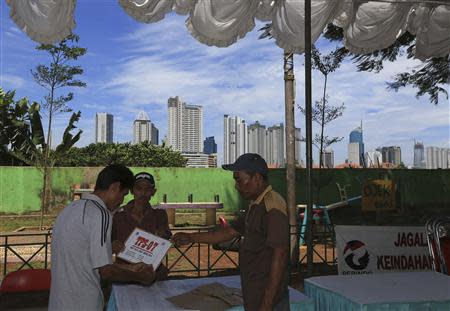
138, 213
263, 254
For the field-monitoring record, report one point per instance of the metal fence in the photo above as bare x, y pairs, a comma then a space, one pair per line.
32, 250
21, 250
199, 259
324, 249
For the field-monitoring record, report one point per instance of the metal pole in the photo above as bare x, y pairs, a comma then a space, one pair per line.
5, 258
289, 99
308, 117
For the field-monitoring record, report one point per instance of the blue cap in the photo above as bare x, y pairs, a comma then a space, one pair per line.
250, 162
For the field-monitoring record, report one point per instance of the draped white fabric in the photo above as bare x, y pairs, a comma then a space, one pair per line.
368, 25
44, 21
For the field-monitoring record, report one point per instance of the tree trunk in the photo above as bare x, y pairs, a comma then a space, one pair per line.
323, 121
44, 198
289, 83
46, 156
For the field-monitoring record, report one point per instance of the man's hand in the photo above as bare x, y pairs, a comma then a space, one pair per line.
182, 238
137, 272
147, 274
162, 273
117, 246
135, 267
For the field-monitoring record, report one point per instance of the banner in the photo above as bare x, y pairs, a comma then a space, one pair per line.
378, 195
381, 249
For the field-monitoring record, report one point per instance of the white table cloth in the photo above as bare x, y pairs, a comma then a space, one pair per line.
135, 297
388, 291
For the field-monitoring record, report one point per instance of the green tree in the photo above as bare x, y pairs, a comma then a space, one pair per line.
58, 74
430, 77
322, 112
15, 120
138, 155
22, 136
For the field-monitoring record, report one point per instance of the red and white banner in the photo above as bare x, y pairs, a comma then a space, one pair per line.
142, 246
381, 249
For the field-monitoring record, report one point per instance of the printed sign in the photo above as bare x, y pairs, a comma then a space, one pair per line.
142, 246
370, 249
378, 195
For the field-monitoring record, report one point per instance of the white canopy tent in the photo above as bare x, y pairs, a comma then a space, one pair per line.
368, 26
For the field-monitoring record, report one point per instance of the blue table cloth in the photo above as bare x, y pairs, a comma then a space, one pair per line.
408, 291
135, 297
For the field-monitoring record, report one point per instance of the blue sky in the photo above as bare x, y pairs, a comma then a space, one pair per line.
131, 67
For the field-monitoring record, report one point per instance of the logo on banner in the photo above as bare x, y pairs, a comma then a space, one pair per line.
356, 255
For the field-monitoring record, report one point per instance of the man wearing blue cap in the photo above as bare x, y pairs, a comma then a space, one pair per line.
263, 254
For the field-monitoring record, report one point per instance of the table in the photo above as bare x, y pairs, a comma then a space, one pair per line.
135, 297
388, 291
210, 208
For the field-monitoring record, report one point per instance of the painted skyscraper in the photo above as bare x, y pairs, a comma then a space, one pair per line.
235, 138
257, 139
209, 145
373, 158
437, 157
391, 154
275, 145
328, 158
185, 128
103, 127
356, 146
419, 155
144, 129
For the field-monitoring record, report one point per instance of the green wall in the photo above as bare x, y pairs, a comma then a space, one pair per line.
420, 192
21, 187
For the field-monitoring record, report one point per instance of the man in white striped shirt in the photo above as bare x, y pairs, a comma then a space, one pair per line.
81, 246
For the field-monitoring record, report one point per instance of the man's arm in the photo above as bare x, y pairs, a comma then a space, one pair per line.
139, 272
164, 226
214, 237
277, 270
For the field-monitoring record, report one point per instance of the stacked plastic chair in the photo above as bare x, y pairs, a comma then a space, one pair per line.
438, 238
28, 288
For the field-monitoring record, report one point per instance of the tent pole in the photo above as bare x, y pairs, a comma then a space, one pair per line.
308, 116
289, 97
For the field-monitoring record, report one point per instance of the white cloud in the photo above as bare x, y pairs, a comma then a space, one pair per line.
95, 106
8, 81
246, 79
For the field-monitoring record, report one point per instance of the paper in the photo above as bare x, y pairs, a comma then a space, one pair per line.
142, 246
213, 296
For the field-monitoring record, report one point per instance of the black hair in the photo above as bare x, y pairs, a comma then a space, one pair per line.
114, 173
264, 176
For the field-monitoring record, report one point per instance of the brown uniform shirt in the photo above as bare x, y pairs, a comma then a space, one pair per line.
154, 221
264, 226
